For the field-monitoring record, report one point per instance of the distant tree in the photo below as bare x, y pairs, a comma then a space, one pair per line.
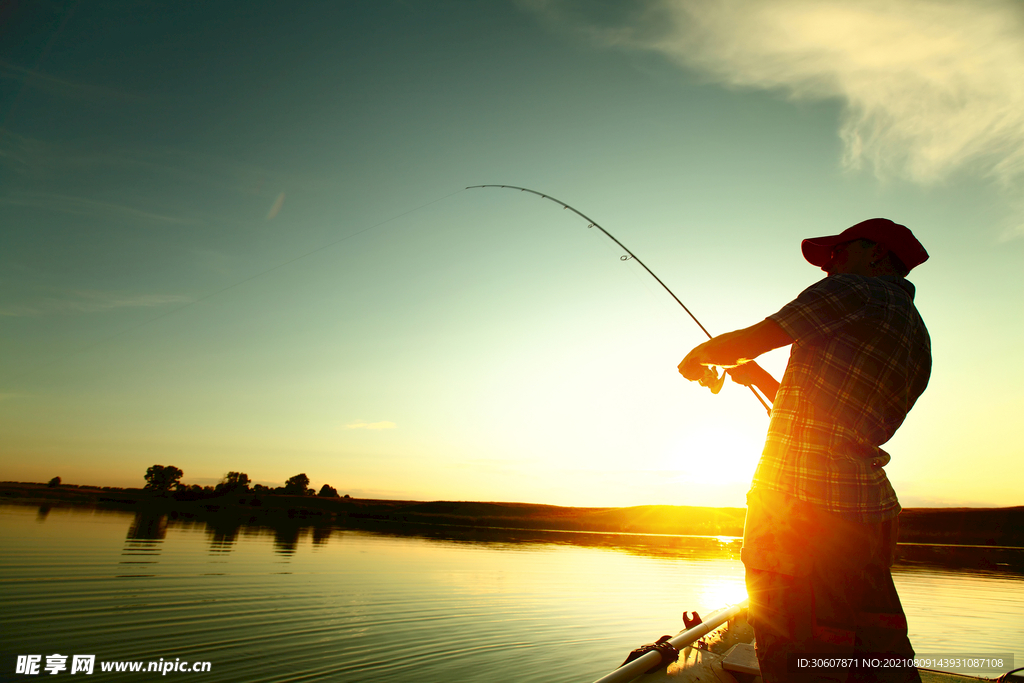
54, 483
297, 485
240, 478
189, 492
328, 492
161, 478
234, 481
260, 488
311, 492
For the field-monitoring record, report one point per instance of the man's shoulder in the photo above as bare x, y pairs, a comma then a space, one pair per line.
863, 285
899, 284
843, 299
835, 287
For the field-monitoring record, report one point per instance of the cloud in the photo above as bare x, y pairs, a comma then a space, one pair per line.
85, 207
359, 424
51, 160
16, 150
59, 87
86, 301
927, 86
276, 208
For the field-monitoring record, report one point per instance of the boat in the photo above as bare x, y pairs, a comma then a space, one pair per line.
720, 648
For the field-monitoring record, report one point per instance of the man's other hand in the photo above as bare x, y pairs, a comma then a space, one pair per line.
747, 374
752, 374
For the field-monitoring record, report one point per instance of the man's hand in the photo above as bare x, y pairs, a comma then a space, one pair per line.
752, 374
738, 348
695, 365
748, 374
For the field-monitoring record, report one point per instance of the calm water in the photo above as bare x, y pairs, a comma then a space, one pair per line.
295, 603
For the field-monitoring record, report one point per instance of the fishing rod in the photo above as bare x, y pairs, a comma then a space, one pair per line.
711, 380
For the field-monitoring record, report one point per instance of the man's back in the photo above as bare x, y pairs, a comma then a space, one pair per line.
861, 358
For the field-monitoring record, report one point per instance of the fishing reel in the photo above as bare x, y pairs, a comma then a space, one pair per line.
711, 380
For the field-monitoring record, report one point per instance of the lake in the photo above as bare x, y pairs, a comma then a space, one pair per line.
299, 602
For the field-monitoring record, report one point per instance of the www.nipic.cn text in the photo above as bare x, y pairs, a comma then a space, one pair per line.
32, 665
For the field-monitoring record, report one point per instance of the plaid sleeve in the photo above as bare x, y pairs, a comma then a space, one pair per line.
824, 309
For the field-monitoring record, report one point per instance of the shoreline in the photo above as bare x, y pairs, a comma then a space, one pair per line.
980, 527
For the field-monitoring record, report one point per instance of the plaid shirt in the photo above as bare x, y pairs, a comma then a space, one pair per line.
860, 360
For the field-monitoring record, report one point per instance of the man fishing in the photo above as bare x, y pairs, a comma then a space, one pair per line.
821, 525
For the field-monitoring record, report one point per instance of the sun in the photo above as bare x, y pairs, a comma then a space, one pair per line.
717, 456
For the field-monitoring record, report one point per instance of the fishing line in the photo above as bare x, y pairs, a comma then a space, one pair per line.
207, 297
631, 256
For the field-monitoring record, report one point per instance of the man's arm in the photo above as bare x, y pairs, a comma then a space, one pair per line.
736, 348
751, 373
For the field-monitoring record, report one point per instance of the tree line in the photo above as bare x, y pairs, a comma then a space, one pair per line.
167, 479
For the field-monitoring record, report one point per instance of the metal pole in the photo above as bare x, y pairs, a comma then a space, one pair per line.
640, 665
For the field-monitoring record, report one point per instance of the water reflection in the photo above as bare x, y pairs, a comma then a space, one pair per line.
287, 535
223, 529
648, 545
148, 526
465, 602
991, 558
222, 533
143, 544
148, 530
322, 534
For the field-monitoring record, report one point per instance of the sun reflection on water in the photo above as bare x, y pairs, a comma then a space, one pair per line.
723, 591
461, 600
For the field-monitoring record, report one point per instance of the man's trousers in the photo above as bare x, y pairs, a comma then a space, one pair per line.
821, 592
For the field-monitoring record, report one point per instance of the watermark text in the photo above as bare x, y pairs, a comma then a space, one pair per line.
970, 663
34, 665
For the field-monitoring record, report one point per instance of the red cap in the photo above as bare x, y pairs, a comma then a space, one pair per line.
898, 238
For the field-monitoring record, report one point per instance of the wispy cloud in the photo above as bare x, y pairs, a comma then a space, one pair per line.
276, 207
83, 206
928, 86
51, 160
60, 87
16, 150
85, 301
359, 424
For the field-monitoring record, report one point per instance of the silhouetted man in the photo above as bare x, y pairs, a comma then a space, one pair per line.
820, 532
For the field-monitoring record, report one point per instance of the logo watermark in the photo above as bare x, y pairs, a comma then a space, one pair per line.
34, 665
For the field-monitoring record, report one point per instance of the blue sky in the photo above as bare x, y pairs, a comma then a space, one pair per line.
234, 237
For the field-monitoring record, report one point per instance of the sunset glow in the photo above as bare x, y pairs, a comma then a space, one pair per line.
249, 248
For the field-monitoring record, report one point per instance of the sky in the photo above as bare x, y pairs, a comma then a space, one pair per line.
236, 237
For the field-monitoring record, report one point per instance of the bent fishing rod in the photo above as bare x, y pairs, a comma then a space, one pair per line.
710, 380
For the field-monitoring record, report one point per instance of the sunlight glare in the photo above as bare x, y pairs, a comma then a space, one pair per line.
728, 589
718, 456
